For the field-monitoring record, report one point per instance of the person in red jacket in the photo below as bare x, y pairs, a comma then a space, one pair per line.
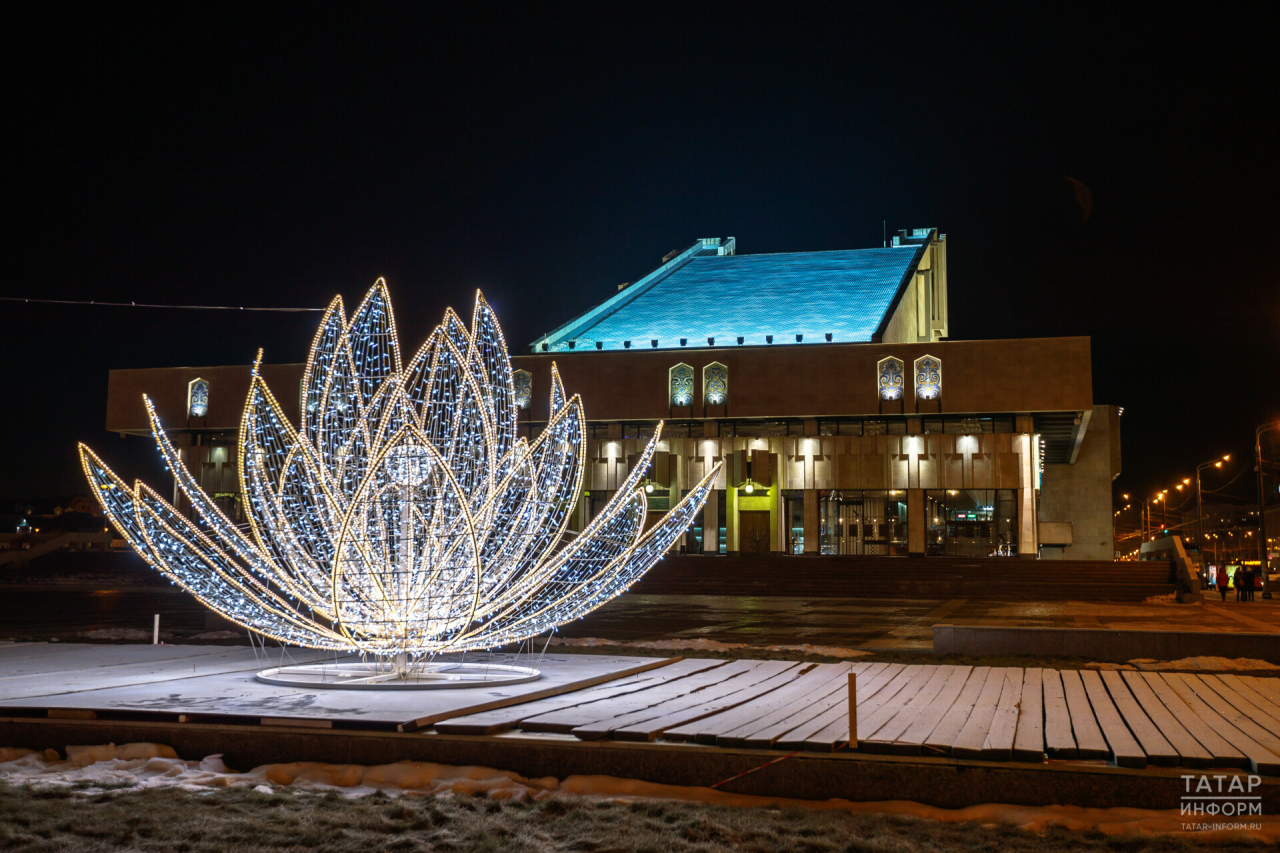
1223, 582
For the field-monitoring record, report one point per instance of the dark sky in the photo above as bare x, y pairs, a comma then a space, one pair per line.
274, 156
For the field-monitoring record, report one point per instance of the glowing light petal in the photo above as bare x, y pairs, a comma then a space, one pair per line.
402, 516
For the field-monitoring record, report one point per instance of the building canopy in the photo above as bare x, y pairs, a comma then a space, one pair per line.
708, 294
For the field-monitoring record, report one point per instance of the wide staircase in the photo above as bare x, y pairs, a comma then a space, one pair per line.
1001, 579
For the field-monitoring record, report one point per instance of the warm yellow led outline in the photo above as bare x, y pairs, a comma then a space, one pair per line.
339, 554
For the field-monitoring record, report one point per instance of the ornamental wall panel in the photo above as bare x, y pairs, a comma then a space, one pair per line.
897, 463
1007, 468
824, 472
983, 463
761, 467
930, 462
848, 471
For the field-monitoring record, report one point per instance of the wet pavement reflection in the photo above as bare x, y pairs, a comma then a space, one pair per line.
753, 621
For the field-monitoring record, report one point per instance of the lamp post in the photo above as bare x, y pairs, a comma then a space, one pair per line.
1262, 507
1217, 463
1150, 525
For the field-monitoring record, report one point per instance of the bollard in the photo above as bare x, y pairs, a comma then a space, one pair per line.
155, 634
853, 710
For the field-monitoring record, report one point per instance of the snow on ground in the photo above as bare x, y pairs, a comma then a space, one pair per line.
705, 645
136, 766
1202, 663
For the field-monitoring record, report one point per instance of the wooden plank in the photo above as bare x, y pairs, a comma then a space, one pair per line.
698, 706
733, 727
503, 719
566, 719
647, 723
1259, 709
886, 737
911, 740
1267, 687
1228, 704
1190, 752
1058, 740
870, 722
1089, 740
1125, 751
786, 720
1261, 759
552, 690
1256, 693
837, 714
708, 729
1222, 753
1158, 749
1028, 743
836, 733
968, 743
945, 733
998, 744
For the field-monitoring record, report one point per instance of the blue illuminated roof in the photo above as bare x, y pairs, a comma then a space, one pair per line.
703, 294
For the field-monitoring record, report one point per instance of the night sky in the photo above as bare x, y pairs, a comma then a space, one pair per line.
273, 156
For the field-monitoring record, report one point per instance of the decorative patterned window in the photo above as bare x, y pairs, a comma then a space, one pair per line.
197, 398
889, 371
681, 385
715, 383
524, 388
928, 377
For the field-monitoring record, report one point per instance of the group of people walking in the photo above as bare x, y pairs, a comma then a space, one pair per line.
1243, 579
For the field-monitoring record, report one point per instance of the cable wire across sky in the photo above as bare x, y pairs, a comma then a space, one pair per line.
95, 302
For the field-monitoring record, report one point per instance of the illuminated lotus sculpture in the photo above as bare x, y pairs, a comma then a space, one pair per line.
403, 517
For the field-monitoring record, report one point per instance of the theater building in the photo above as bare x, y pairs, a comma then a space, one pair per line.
848, 420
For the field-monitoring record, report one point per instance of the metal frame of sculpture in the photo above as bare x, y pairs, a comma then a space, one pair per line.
402, 518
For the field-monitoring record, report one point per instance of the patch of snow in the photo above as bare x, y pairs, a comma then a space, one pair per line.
135, 766
1206, 663
703, 644
218, 635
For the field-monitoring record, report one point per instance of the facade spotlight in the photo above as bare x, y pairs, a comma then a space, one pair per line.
648, 488
750, 488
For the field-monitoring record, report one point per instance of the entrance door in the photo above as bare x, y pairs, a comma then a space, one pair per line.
753, 531
842, 525
851, 520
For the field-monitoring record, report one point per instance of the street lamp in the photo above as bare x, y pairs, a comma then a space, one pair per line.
1216, 463
1147, 507
1262, 507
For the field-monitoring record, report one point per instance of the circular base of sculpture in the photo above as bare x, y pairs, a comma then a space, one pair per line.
367, 676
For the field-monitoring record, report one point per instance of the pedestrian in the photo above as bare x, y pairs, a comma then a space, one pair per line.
1223, 580
1237, 580
1248, 583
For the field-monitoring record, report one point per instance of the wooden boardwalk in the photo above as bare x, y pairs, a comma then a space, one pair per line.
1132, 719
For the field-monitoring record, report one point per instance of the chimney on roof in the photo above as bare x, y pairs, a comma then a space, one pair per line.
624, 285
669, 255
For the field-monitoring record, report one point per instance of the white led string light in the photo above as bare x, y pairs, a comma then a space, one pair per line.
403, 517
